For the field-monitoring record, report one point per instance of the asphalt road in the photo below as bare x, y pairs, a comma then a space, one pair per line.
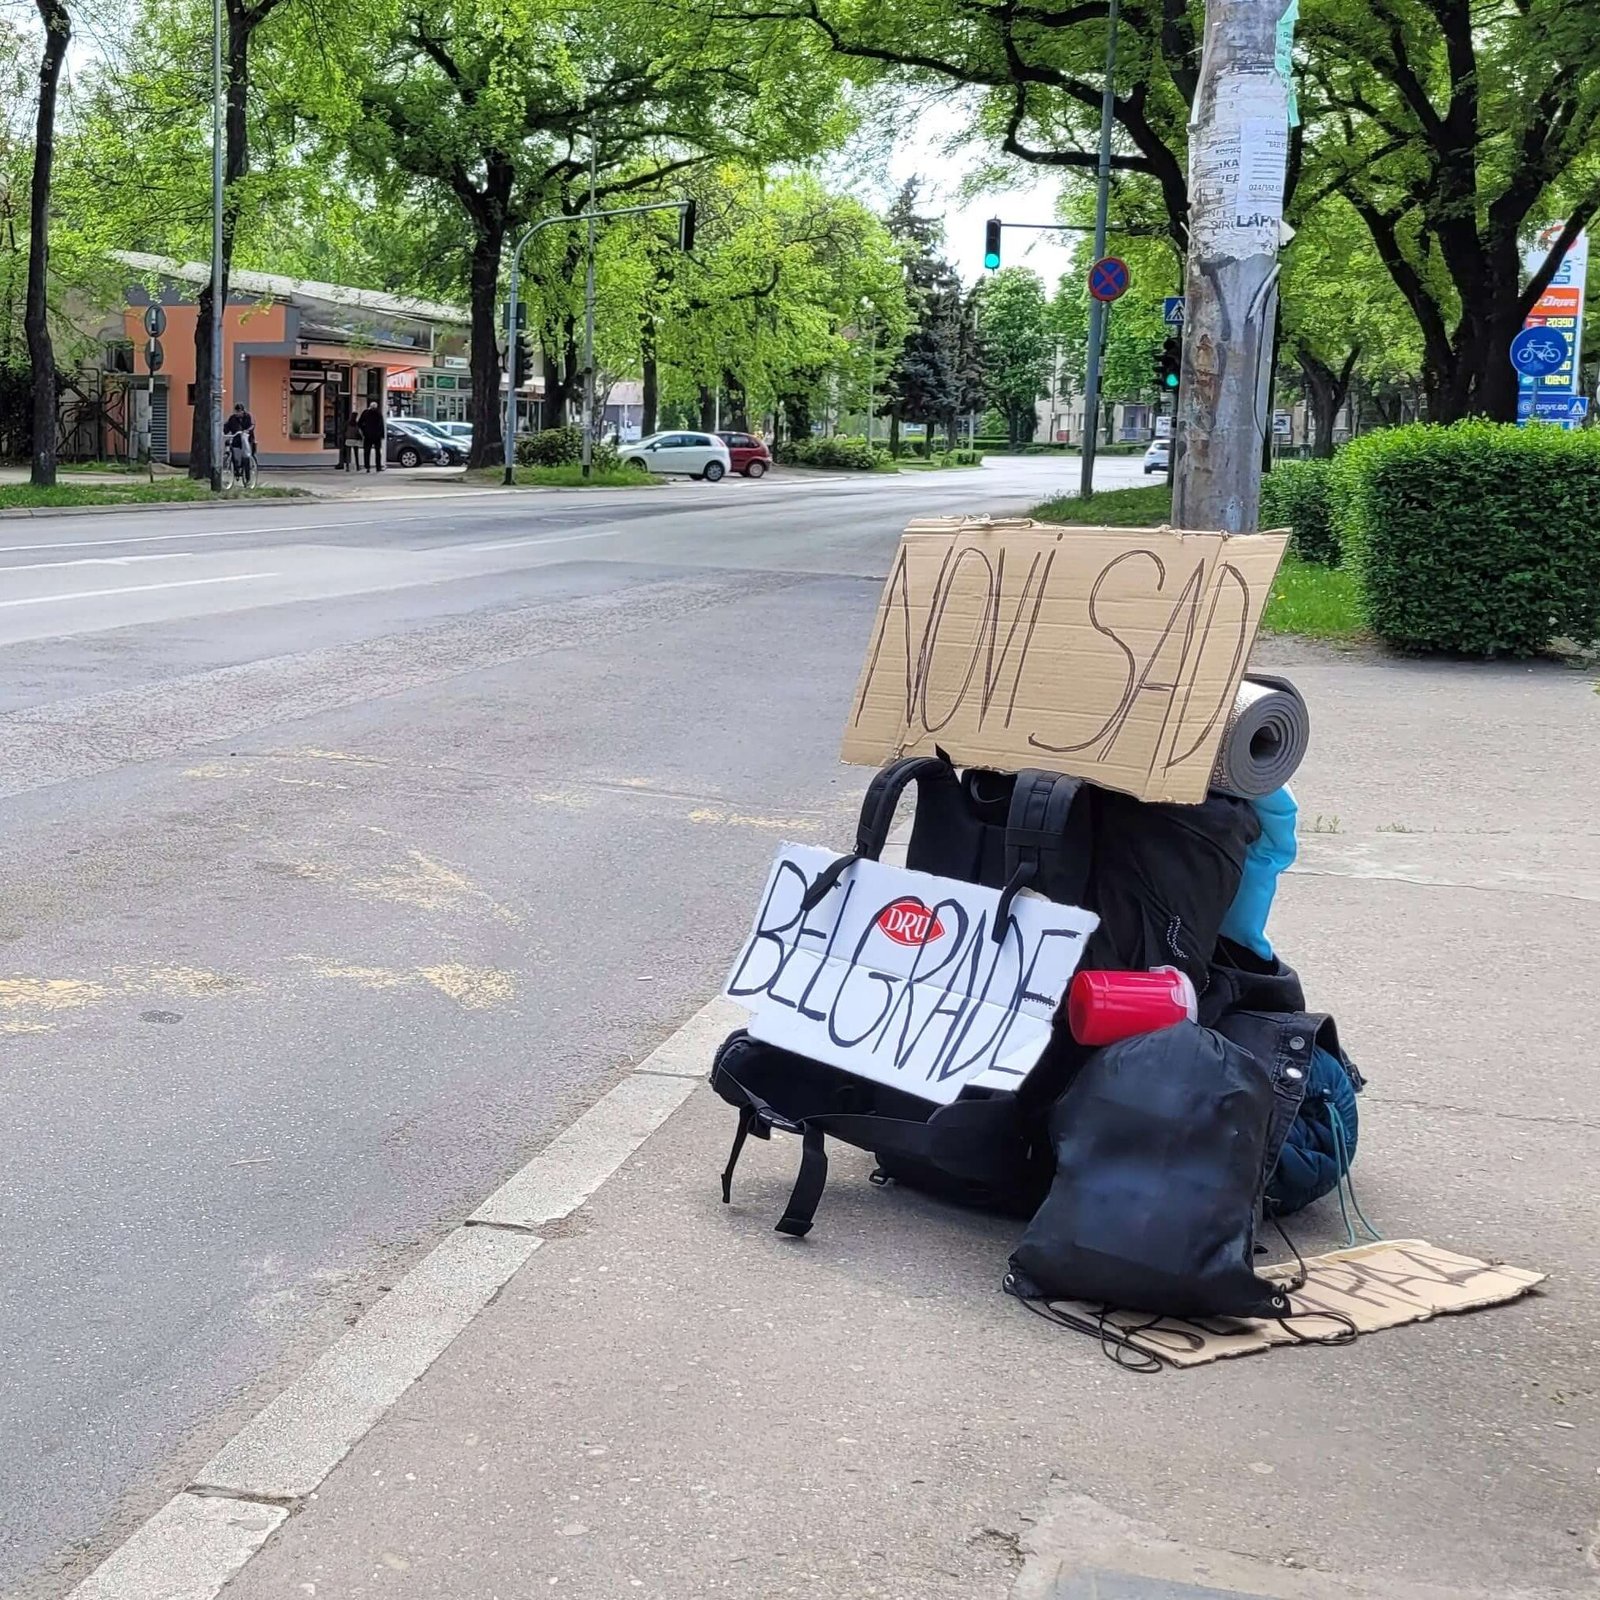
346, 853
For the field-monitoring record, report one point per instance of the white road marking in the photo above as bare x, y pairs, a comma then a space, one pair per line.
560, 538
214, 533
102, 561
138, 588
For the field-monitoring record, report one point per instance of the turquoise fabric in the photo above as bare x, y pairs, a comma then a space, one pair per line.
1273, 851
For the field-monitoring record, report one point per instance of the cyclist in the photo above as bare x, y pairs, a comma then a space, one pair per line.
241, 422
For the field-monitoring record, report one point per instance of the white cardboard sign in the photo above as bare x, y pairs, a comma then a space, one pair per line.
896, 976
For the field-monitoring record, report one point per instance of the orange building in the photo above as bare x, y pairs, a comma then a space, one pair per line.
299, 355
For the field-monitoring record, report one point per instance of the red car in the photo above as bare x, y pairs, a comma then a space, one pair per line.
747, 453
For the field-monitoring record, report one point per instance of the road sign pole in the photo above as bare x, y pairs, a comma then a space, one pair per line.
1238, 145
1097, 311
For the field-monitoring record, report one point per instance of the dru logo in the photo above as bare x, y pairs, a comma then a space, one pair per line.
909, 922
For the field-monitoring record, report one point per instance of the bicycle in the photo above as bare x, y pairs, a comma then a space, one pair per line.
238, 463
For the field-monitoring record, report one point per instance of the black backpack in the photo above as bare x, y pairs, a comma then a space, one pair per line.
987, 1147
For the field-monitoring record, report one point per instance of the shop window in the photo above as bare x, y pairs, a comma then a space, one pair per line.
305, 407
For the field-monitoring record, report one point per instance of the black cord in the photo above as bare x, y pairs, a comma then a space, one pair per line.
1346, 1333
1115, 1343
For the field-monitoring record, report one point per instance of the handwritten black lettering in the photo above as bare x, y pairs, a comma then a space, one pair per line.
855, 967
907, 998
1226, 573
936, 619
827, 950
1099, 627
786, 879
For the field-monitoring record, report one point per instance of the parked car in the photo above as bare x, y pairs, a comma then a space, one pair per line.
460, 432
413, 443
747, 453
1157, 456
701, 455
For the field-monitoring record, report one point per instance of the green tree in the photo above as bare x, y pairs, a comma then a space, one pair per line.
925, 381
1037, 66
772, 305
1455, 128
36, 313
1341, 316
493, 109
1015, 323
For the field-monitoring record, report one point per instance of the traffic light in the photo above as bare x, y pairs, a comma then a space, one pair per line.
521, 362
991, 243
686, 219
1169, 368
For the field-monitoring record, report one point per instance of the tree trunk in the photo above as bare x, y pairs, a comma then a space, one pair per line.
243, 20
1325, 394
894, 432
563, 376
485, 407
36, 314
652, 381
708, 408
797, 415
738, 416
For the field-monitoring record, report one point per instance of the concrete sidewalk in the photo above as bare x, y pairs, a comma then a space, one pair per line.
668, 1399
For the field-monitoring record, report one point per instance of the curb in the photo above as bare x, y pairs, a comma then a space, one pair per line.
195, 1543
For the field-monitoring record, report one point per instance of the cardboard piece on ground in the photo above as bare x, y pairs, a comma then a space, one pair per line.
1375, 1285
894, 976
1113, 654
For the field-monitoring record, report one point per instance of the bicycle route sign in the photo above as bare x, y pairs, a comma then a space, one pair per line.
1538, 351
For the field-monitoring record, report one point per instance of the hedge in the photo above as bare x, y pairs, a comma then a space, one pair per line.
563, 447
842, 451
1479, 538
1294, 495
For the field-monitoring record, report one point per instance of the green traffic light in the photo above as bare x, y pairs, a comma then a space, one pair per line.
991, 244
991, 262
1171, 380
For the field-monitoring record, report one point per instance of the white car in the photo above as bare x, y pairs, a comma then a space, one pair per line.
1157, 456
461, 432
701, 455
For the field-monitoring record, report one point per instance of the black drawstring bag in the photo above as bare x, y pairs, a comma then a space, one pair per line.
1163, 1144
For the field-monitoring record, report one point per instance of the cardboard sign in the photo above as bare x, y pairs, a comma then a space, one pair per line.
1113, 654
895, 975
1374, 1285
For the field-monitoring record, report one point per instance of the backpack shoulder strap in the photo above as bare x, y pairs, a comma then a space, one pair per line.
1036, 836
877, 814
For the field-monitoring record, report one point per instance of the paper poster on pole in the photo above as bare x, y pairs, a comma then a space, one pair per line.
1112, 654
1237, 164
896, 976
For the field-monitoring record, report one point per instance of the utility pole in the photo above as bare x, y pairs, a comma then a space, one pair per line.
588, 327
1238, 148
1097, 310
217, 307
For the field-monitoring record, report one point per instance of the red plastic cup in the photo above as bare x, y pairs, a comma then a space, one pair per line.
1103, 1007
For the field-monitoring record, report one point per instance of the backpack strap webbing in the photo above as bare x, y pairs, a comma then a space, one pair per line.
877, 815
1036, 836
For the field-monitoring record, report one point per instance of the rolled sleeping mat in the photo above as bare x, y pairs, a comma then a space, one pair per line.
1265, 738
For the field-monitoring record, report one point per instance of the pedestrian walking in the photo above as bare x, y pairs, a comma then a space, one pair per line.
372, 428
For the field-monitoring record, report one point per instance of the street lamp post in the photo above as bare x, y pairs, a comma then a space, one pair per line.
872, 363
